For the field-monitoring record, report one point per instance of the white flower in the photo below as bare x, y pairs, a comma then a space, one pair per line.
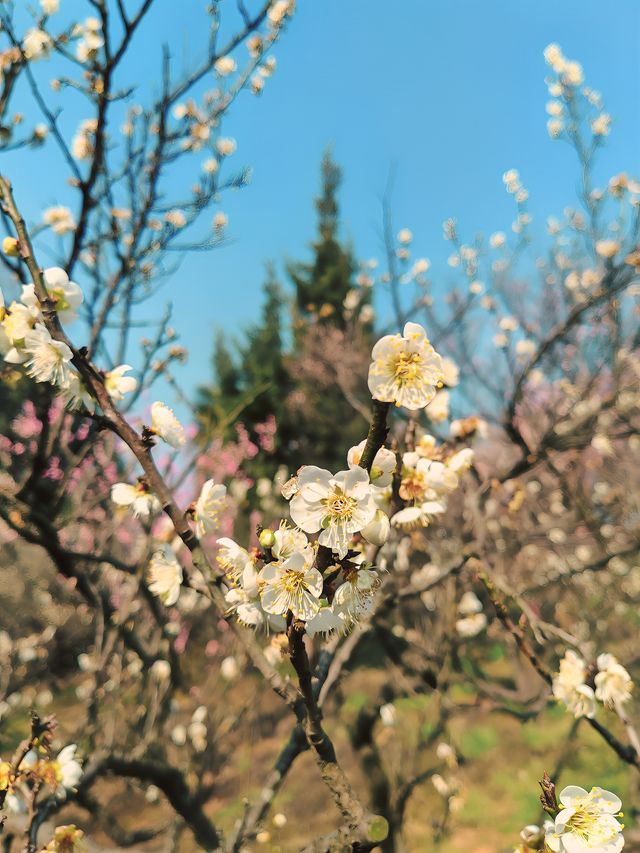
138, 498
291, 586
229, 668
59, 219
208, 506
210, 166
76, 395
469, 603
82, 145
327, 620
569, 686
91, 40
226, 146
66, 294
438, 409
47, 359
419, 515
49, 6
220, 221
288, 540
279, 10
497, 240
607, 248
405, 369
176, 218
37, 44
601, 125
117, 384
166, 426
587, 822
161, 670
67, 768
225, 65
383, 468
377, 531
165, 575
461, 461
339, 505
613, 682
233, 560
355, 594
451, 372
18, 321
405, 236
470, 626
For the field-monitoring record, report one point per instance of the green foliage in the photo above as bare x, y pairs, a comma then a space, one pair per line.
322, 285
276, 372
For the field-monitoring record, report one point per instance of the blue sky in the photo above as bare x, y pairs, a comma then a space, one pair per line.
448, 93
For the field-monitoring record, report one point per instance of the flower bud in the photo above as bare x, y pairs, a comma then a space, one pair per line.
267, 538
11, 247
377, 531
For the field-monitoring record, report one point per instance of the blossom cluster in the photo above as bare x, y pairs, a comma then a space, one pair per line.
580, 688
25, 340
583, 822
61, 774
313, 568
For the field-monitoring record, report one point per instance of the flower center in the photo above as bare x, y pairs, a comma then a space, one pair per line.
340, 506
292, 581
588, 824
407, 366
413, 486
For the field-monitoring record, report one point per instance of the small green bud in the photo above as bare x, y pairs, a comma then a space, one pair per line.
267, 538
378, 828
11, 247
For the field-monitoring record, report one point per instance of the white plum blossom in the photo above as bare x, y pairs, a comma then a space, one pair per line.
338, 505
138, 498
469, 603
607, 248
49, 6
225, 65
356, 593
438, 409
226, 146
472, 625
328, 619
418, 515
569, 686
613, 682
59, 219
47, 359
461, 461
451, 372
587, 822
233, 560
166, 426
293, 585
91, 39
383, 468
165, 575
117, 384
68, 769
208, 506
36, 44
67, 295
377, 531
405, 369
76, 395
288, 540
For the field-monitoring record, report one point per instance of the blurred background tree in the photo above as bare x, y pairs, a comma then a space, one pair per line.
288, 373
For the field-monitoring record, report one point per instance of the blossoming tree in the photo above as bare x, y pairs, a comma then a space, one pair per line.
407, 547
